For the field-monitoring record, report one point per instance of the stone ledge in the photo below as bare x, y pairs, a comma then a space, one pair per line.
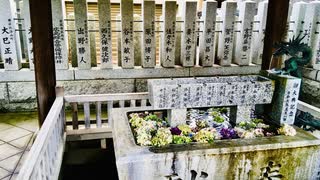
137, 72
97, 86
25, 75
310, 92
225, 70
311, 73
3, 92
22, 92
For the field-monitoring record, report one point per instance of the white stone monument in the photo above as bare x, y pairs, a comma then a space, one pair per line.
168, 35
82, 34
243, 39
312, 24
207, 37
188, 38
28, 33
148, 45
258, 33
105, 34
127, 48
226, 37
285, 101
9, 38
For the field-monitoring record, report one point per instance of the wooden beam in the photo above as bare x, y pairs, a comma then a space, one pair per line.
41, 27
275, 31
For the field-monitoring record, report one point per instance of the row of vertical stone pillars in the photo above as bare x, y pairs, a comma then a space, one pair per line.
232, 34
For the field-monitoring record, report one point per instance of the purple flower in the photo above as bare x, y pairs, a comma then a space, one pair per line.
227, 133
175, 131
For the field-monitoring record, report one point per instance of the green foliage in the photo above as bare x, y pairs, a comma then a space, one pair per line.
181, 139
218, 119
152, 117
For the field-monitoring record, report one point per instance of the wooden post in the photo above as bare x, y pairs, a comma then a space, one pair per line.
45, 76
275, 31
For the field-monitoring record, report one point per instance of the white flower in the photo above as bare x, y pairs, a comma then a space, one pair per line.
144, 139
287, 130
258, 132
248, 135
245, 134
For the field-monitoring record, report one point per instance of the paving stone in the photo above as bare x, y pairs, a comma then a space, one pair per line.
12, 134
7, 150
22, 161
4, 126
21, 142
28, 124
11, 162
14, 176
4, 173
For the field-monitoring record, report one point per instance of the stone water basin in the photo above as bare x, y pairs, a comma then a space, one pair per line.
277, 157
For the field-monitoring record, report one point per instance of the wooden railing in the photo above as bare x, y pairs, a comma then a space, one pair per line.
99, 127
45, 157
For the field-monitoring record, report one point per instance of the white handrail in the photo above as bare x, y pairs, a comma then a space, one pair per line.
45, 157
106, 97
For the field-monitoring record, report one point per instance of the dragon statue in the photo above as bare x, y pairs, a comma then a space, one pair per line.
300, 54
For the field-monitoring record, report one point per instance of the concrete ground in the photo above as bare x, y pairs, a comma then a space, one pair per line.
17, 131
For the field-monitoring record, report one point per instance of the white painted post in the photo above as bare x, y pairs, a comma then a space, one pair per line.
28, 34
9, 38
168, 35
110, 107
86, 109
297, 17
188, 38
148, 45
127, 48
243, 40
98, 115
82, 34
207, 37
258, 36
105, 34
59, 34
225, 47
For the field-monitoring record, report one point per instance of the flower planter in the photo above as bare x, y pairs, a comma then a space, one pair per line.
290, 157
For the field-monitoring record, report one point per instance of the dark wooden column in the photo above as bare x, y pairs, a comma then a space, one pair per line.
41, 24
275, 30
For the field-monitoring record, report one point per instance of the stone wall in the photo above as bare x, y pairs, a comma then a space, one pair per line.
21, 96
17, 88
311, 92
